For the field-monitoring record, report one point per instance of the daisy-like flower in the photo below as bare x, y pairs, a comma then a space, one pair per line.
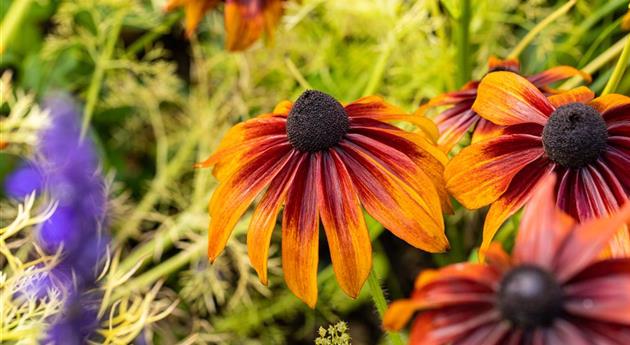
459, 117
553, 290
321, 159
245, 20
585, 141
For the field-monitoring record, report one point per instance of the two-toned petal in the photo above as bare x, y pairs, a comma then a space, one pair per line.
246, 21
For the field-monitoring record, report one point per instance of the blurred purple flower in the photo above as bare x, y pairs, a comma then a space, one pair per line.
67, 169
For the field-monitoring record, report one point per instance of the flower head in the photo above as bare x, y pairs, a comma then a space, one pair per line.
552, 291
459, 117
245, 20
584, 141
323, 160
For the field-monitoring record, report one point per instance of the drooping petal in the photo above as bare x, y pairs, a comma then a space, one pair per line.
482, 172
519, 191
346, 232
453, 128
300, 232
453, 324
235, 194
563, 332
490, 334
543, 226
587, 241
245, 21
618, 161
557, 73
506, 98
423, 153
581, 94
485, 130
264, 218
375, 108
394, 203
400, 165
195, 10
609, 102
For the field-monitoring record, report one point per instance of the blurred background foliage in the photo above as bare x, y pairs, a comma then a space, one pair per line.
157, 102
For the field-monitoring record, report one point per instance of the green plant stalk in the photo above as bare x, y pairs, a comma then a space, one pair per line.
99, 72
379, 67
381, 305
538, 28
598, 62
620, 68
11, 22
463, 43
153, 35
590, 21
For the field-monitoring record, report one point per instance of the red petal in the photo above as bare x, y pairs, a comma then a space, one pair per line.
485, 130
300, 233
587, 241
482, 172
618, 162
519, 191
506, 98
451, 324
543, 226
347, 234
235, 194
264, 218
555, 74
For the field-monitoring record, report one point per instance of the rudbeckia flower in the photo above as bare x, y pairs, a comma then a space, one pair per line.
245, 20
585, 141
459, 117
553, 290
321, 159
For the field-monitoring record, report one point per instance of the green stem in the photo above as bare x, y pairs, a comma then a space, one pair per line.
99, 71
620, 68
379, 67
463, 44
11, 22
598, 62
381, 305
539, 27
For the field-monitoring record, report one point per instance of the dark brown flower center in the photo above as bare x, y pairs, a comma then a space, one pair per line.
530, 297
316, 122
575, 135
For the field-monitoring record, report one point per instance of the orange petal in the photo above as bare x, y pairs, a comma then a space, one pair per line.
543, 227
482, 172
373, 107
485, 130
497, 258
195, 10
557, 73
399, 313
586, 242
421, 151
300, 233
346, 232
610, 101
454, 123
394, 203
264, 218
245, 22
581, 94
234, 195
519, 191
494, 62
506, 98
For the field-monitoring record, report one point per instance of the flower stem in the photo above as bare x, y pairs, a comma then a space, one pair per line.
598, 62
99, 71
620, 68
463, 43
381, 305
539, 27
12, 21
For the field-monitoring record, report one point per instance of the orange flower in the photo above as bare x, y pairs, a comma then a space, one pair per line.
455, 121
321, 159
245, 20
552, 291
586, 142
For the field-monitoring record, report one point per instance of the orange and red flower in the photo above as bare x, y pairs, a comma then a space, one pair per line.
552, 291
459, 118
245, 20
323, 160
585, 141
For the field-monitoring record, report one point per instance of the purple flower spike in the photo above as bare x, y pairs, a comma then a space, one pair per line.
68, 172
